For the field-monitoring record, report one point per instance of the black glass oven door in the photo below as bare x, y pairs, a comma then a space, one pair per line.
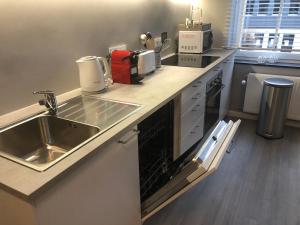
213, 98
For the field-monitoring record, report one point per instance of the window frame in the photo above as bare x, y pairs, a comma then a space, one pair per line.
249, 34
268, 56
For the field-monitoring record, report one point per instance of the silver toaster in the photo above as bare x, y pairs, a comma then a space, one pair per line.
146, 62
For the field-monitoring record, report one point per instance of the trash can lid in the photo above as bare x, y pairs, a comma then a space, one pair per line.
279, 82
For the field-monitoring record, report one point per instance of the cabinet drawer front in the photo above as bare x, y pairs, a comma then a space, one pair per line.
190, 101
192, 136
192, 89
190, 118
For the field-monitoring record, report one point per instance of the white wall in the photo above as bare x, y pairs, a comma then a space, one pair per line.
215, 12
40, 40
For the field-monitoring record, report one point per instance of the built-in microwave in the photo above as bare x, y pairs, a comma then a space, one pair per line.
195, 41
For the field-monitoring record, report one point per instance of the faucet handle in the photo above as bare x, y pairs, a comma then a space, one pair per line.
43, 102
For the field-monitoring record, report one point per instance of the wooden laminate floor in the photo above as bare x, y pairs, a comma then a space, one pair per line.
257, 184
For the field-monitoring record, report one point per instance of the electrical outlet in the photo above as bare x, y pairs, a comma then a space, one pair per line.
117, 47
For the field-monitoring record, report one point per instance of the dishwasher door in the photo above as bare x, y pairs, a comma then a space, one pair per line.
204, 161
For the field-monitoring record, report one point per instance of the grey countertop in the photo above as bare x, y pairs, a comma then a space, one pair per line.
156, 90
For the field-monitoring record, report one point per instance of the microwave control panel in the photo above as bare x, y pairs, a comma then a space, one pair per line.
190, 42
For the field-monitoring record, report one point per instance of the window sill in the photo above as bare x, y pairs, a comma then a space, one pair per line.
279, 64
268, 58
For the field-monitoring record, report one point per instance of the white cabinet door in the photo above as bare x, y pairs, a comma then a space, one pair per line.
103, 189
227, 80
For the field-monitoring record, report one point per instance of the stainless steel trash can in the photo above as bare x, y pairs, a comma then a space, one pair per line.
273, 107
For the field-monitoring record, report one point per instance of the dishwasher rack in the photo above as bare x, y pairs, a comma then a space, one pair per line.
155, 150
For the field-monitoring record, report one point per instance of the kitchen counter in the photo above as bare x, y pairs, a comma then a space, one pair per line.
156, 90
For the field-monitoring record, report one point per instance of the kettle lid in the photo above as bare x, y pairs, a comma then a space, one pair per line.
86, 58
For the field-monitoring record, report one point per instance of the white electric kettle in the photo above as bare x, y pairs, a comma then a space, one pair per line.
94, 73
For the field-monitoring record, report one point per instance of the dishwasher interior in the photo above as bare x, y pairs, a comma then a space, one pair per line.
164, 178
156, 150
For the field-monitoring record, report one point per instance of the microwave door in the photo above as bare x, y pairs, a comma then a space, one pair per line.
207, 40
206, 160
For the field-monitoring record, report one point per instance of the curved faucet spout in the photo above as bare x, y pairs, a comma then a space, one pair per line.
49, 100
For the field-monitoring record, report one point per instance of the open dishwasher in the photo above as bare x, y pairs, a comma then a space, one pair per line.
163, 179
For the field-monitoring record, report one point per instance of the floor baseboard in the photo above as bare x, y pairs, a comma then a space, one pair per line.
249, 116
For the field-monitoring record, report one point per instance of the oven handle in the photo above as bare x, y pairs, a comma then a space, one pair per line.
218, 92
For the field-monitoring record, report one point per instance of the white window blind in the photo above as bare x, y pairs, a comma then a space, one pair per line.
265, 24
234, 22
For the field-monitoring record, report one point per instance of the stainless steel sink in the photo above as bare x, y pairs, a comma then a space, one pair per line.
44, 140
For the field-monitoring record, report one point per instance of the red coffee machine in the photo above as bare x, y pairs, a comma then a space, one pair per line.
124, 68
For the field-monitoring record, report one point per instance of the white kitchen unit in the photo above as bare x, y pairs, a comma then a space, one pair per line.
228, 65
192, 114
100, 182
193, 105
202, 144
103, 189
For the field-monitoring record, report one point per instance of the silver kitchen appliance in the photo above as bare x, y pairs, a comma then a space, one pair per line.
197, 39
146, 62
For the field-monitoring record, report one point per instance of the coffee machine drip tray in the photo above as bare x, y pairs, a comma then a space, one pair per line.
189, 60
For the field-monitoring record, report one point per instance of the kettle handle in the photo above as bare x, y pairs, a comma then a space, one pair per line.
107, 73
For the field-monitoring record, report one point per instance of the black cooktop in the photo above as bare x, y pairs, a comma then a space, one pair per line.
189, 60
